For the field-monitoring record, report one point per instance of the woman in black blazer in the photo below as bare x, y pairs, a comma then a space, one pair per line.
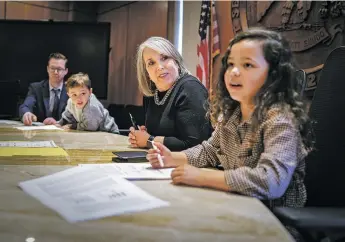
175, 101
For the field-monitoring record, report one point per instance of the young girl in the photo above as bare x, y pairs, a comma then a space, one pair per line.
262, 132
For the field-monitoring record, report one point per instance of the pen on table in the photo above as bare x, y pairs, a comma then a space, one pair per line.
159, 157
133, 122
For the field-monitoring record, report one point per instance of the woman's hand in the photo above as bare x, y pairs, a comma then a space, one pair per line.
138, 138
152, 156
188, 175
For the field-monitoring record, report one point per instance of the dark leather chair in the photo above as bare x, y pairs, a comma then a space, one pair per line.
137, 112
120, 112
324, 213
121, 116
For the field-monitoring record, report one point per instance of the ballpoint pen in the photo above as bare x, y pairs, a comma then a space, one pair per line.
159, 157
133, 122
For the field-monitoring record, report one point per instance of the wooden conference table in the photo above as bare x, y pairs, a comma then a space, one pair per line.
195, 214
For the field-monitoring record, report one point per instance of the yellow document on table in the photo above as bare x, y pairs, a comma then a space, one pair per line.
30, 148
22, 151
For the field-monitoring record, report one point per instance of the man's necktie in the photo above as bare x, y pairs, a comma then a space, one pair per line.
55, 112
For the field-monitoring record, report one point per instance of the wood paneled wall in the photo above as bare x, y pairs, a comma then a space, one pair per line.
2, 9
44, 10
131, 24
190, 36
32, 10
225, 34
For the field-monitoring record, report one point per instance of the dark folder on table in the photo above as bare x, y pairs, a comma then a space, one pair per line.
130, 156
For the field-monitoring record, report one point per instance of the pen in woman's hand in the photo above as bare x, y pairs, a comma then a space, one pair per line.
133, 122
159, 157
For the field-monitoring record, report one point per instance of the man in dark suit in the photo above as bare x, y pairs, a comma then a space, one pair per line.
46, 100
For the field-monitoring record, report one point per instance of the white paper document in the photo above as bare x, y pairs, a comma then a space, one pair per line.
28, 144
86, 193
10, 122
134, 171
44, 127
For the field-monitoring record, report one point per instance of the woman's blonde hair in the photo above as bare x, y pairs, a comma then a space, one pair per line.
162, 46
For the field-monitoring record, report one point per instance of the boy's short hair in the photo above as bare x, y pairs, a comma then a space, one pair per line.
78, 80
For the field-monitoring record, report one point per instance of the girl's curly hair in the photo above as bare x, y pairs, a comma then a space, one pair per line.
280, 86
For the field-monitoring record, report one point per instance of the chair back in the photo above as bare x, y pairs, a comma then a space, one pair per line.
301, 81
120, 114
325, 167
138, 113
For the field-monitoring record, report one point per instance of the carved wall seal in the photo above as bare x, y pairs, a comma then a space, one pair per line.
313, 28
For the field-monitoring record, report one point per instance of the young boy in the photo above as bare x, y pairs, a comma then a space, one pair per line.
83, 110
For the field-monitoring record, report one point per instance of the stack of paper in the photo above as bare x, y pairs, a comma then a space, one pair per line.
134, 171
30, 148
12, 122
28, 144
43, 127
88, 192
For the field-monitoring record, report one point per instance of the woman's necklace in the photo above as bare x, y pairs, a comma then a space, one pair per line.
156, 98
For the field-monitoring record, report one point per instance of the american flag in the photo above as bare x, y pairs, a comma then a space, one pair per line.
208, 38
